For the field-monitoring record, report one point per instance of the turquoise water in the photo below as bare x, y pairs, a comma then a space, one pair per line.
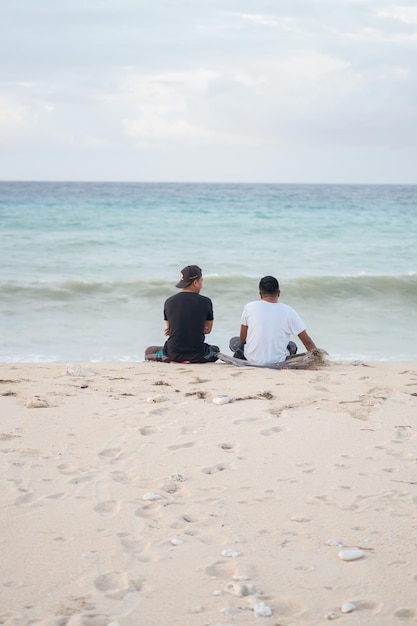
86, 267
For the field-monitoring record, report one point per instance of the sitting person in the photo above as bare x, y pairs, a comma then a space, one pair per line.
188, 318
266, 327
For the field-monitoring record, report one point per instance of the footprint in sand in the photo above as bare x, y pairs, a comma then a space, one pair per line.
110, 453
227, 446
184, 520
67, 469
157, 412
7, 436
25, 497
405, 614
147, 430
32, 452
212, 538
222, 569
149, 511
180, 446
308, 468
245, 420
85, 478
117, 584
109, 508
214, 469
403, 433
368, 605
288, 607
133, 543
267, 432
122, 477
73, 606
138, 547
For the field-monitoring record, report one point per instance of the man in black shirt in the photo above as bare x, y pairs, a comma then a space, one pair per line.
188, 318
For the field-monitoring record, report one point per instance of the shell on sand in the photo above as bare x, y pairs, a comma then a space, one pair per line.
231, 553
159, 397
222, 399
152, 496
351, 555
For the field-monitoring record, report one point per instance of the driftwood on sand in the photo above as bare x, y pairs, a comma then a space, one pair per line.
306, 360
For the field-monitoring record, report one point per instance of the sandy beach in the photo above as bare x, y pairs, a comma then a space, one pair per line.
130, 498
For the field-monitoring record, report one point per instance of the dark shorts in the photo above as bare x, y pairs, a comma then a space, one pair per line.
238, 348
158, 353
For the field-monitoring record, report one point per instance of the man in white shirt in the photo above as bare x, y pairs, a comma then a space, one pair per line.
266, 328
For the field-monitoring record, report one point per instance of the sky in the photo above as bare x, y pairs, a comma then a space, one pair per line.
301, 91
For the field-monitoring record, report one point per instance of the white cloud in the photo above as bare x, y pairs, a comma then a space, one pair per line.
259, 20
12, 115
405, 14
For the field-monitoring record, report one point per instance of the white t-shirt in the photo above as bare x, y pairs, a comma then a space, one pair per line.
270, 325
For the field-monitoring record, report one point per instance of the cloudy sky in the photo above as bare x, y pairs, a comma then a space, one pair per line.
209, 90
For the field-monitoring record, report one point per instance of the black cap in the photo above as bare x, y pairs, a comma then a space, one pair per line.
187, 275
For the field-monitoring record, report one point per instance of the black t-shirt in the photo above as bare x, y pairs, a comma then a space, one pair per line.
187, 313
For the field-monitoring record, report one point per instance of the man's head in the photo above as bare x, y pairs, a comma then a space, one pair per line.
189, 275
269, 286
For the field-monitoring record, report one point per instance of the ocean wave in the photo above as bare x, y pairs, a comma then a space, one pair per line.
350, 287
244, 287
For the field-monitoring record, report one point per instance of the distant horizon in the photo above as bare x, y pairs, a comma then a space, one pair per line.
203, 182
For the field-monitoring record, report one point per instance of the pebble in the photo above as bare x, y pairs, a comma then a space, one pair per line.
351, 555
158, 398
222, 399
231, 553
262, 610
225, 611
178, 478
77, 370
332, 615
300, 518
240, 589
152, 496
334, 542
37, 404
177, 542
348, 607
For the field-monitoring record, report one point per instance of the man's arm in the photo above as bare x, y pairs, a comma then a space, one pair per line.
166, 331
243, 334
208, 326
307, 340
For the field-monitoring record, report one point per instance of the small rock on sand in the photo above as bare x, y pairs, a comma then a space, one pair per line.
37, 403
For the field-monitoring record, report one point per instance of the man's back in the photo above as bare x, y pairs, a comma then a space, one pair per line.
187, 313
270, 325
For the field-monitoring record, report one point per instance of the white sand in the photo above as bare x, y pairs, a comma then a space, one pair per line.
331, 456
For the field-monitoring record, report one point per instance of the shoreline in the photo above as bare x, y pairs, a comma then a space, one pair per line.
61, 362
129, 494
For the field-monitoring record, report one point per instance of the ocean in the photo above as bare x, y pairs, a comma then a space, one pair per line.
86, 267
